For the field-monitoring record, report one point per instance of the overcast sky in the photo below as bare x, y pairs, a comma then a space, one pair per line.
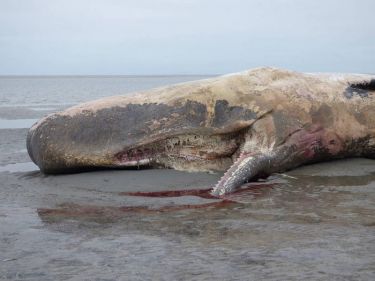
185, 36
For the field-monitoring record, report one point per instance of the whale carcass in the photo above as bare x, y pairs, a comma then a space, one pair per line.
249, 124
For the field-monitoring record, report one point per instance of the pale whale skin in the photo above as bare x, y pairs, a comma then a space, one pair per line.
249, 124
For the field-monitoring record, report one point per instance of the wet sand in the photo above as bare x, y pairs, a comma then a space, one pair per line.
317, 224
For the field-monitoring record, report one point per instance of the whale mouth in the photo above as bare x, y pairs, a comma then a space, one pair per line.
183, 149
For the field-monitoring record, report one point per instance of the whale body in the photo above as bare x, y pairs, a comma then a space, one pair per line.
249, 124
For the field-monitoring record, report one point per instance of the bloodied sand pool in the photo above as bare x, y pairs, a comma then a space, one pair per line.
313, 223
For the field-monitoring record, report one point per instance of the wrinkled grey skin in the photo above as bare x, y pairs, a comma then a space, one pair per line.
249, 124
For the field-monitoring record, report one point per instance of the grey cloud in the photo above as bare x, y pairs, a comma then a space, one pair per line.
196, 36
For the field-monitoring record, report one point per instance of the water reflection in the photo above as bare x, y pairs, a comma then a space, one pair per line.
305, 227
303, 200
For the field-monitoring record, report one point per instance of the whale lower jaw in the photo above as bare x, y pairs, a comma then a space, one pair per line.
187, 152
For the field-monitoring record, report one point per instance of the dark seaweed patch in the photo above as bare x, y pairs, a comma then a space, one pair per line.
360, 89
369, 85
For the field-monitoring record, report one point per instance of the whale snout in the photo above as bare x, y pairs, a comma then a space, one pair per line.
41, 147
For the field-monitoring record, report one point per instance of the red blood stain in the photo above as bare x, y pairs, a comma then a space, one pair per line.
253, 188
110, 213
203, 193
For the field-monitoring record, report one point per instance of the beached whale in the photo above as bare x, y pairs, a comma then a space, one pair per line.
249, 124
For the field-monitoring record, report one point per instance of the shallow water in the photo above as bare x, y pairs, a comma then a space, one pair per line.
17, 123
314, 223
67, 90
